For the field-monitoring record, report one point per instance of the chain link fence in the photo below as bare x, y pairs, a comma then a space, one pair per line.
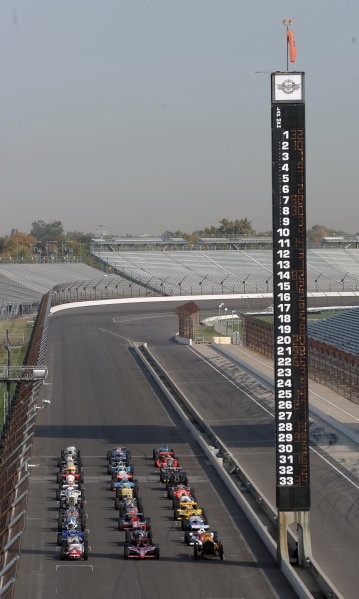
15, 453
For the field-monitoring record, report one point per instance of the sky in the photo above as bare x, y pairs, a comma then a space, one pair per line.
140, 116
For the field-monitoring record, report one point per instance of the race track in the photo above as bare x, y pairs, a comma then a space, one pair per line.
100, 397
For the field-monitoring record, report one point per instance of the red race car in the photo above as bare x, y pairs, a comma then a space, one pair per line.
141, 547
167, 461
175, 493
134, 522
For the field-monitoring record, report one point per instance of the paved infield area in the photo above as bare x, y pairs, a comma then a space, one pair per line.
100, 397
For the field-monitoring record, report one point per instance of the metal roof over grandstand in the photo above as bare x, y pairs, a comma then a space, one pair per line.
340, 331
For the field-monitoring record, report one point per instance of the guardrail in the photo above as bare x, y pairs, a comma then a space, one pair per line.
15, 452
258, 510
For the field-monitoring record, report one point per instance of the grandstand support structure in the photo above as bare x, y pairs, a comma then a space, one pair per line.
328, 365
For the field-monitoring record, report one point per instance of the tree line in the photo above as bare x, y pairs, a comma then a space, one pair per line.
49, 239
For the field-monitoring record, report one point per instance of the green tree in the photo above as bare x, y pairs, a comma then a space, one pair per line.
47, 231
316, 233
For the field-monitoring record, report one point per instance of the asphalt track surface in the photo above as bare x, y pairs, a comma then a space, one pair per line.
101, 397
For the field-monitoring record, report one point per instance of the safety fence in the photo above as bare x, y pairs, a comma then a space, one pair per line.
327, 365
15, 453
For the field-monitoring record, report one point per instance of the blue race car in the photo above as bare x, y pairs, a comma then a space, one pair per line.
71, 536
114, 466
119, 453
117, 485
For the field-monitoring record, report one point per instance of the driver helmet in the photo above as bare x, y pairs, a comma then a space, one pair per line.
70, 479
71, 449
71, 469
71, 523
170, 462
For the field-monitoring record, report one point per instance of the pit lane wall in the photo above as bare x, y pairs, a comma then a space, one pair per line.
261, 514
15, 454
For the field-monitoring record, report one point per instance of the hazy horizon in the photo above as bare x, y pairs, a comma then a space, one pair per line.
152, 116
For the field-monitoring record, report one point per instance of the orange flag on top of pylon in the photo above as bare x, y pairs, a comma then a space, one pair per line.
291, 43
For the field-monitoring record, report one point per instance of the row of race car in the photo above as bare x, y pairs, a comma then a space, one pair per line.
72, 536
185, 506
139, 542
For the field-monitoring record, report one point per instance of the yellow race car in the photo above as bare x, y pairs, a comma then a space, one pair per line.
209, 547
185, 504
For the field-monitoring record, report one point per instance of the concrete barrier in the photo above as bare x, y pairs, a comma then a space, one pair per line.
289, 572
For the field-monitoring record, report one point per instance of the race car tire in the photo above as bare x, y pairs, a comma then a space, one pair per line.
108, 455
169, 492
62, 553
78, 454
117, 503
86, 550
187, 537
148, 524
195, 551
109, 469
157, 553
204, 516
86, 536
215, 536
154, 455
120, 524
58, 478
140, 505
184, 523
62, 454
83, 522
59, 539
220, 551
177, 514
81, 477
59, 522
122, 512
175, 503
125, 551
58, 494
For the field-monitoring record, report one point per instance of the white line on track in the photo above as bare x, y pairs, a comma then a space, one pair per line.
72, 565
271, 415
313, 392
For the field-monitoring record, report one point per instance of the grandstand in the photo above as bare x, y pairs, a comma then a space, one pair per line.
230, 271
136, 273
23, 285
341, 331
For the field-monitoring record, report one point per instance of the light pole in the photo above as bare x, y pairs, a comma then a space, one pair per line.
267, 281
225, 316
200, 283
180, 284
343, 279
219, 315
223, 281
316, 280
244, 283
